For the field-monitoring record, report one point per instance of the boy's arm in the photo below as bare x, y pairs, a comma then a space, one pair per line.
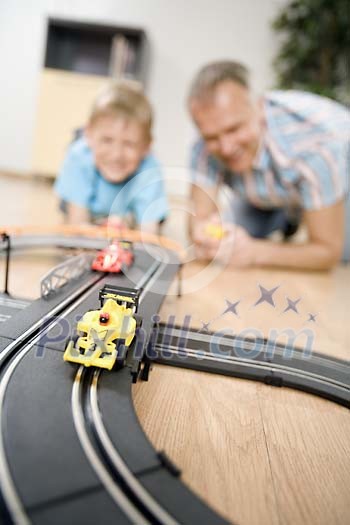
148, 200
151, 227
75, 183
77, 214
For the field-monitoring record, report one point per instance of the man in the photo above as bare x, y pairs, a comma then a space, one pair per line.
286, 156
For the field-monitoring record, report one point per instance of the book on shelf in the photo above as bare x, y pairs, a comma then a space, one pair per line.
130, 62
123, 56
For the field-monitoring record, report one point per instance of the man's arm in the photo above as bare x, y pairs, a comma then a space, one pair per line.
204, 201
321, 251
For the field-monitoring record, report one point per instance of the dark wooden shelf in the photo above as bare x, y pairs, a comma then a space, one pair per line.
86, 48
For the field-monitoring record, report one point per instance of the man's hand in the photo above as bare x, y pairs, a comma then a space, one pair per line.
236, 247
322, 250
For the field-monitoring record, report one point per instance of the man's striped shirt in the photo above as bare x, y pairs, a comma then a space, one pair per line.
303, 159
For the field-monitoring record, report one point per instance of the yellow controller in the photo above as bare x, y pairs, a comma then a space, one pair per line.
215, 231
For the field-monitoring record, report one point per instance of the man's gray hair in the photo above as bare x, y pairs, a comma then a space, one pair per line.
213, 74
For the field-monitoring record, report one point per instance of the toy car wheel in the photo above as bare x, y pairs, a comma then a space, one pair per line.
119, 363
74, 338
120, 346
121, 354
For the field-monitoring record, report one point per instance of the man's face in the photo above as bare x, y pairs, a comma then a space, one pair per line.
230, 124
118, 145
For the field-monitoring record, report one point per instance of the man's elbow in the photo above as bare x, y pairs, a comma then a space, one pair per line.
332, 256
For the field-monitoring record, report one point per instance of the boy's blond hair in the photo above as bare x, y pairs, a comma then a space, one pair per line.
124, 98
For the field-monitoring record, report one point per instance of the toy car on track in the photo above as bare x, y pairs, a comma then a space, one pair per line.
117, 257
104, 335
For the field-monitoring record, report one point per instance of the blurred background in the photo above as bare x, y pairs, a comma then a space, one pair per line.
55, 55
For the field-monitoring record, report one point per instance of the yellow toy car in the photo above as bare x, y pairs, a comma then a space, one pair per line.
104, 335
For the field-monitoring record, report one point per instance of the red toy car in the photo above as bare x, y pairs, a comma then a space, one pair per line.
116, 258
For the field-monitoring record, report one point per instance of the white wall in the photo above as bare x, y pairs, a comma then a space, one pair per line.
184, 34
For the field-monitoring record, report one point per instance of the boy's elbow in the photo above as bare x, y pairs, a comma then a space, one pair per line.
152, 228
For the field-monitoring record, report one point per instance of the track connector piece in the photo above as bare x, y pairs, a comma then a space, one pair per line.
168, 464
147, 367
135, 370
273, 380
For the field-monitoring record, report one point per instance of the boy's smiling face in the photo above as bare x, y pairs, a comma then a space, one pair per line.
118, 144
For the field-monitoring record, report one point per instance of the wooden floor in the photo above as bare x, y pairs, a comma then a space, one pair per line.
257, 454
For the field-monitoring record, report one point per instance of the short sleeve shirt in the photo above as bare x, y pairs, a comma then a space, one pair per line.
142, 194
304, 156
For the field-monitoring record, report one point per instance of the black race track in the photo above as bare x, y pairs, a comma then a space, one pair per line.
71, 447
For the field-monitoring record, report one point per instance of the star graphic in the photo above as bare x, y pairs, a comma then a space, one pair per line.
266, 296
205, 327
231, 307
312, 318
292, 305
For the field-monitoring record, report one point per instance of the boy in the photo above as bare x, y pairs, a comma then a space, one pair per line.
109, 171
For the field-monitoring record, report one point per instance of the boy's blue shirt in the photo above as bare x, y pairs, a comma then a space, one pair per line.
142, 194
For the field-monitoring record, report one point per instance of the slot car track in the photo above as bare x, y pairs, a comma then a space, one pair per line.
70, 442
275, 365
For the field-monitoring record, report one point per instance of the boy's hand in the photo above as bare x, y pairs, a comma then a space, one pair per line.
77, 214
114, 221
